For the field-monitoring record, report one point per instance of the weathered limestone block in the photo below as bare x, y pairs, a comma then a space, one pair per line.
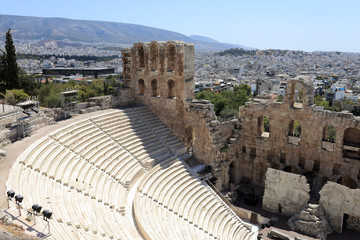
273, 233
311, 221
2, 153
5, 218
285, 193
338, 200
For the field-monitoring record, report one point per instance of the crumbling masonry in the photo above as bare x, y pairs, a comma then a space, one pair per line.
161, 76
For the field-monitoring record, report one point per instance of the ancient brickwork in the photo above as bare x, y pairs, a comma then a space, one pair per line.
161, 75
214, 141
308, 153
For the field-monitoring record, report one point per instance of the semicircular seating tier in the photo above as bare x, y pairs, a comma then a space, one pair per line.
120, 175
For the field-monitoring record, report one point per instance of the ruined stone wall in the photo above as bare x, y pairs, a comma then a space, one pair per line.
214, 141
338, 200
309, 153
161, 75
285, 193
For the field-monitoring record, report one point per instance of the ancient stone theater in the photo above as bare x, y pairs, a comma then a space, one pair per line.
153, 165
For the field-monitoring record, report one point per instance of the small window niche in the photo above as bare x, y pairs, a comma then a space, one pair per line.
294, 132
264, 126
298, 95
329, 137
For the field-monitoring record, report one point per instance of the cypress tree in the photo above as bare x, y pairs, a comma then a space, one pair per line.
11, 70
2, 73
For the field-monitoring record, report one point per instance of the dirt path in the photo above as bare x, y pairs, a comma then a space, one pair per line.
15, 149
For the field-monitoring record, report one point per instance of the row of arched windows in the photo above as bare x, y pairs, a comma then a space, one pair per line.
155, 89
351, 135
170, 52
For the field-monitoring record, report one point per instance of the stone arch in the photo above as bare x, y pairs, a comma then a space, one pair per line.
171, 57
293, 91
348, 182
352, 137
141, 55
351, 143
154, 54
171, 88
154, 88
141, 85
329, 133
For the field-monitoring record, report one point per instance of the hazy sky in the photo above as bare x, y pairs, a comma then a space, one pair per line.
281, 24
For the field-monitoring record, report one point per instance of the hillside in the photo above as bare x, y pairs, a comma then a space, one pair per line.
36, 28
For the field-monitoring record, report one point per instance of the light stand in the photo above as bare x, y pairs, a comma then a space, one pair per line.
47, 215
19, 199
36, 209
10, 196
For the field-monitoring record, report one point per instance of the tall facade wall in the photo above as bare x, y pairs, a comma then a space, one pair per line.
161, 76
310, 153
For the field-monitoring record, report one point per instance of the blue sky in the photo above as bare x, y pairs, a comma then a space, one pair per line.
281, 24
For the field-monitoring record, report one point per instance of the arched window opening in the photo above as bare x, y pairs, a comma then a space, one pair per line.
154, 57
298, 95
295, 128
141, 54
171, 57
141, 87
348, 182
329, 136
154, 88
329, 133
264, 126
351, 143
171, 89
294, 132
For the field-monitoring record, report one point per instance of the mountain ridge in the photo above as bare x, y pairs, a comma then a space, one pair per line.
56, 28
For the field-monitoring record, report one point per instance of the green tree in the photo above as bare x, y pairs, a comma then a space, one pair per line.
331, 133
266, 125
226, 103
318, 100
15, 96
2, 73
11, 69
279, 98
297, 128
356, 111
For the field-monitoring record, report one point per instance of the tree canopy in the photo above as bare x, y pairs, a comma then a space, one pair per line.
226, 103
11, 69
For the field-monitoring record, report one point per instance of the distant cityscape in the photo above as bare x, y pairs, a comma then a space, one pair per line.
266, 71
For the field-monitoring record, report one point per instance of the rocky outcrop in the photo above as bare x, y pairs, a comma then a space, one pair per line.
5, 218
311, 221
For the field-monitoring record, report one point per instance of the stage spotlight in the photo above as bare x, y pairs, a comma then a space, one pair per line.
36, 208
19, 199
10, 193
47, 215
